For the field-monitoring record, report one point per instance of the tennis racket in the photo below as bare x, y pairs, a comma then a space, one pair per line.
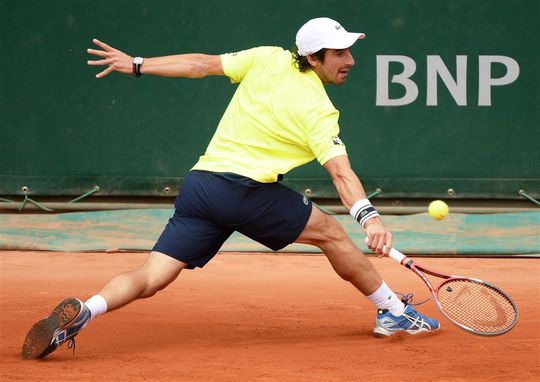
473, 305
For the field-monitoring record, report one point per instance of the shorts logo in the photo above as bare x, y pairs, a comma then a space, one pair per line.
305, 199
337, 141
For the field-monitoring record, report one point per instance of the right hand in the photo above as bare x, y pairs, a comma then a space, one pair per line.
116, 60
379, 239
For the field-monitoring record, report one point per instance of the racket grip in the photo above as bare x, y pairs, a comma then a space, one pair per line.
394, 254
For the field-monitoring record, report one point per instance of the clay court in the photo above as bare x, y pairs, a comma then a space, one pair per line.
438, 101
259, 317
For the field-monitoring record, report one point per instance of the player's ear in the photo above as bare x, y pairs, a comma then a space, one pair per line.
313, 60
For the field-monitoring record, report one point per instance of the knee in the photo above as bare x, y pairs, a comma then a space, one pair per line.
155, 283
159, 271
154, 286
331, 231
323, 231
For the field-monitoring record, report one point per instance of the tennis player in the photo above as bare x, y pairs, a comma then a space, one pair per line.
279, 118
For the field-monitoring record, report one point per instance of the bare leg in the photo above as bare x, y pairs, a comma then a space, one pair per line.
70, 316
347, 259
158, 272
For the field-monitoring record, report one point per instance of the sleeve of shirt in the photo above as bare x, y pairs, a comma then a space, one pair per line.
323, 138
236, 65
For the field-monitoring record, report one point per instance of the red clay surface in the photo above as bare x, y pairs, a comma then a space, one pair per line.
258, 317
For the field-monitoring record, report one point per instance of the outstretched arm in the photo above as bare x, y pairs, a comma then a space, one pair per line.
194, 65
351, 191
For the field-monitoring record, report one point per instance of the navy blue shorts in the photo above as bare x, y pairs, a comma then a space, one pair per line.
211, 206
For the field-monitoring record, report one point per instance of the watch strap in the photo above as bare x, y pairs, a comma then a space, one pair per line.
137, 63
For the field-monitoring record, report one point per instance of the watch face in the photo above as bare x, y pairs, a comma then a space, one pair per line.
138, 60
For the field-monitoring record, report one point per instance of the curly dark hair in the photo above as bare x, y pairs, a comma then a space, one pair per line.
302, 62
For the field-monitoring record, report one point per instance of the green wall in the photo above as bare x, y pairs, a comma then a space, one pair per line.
64, 131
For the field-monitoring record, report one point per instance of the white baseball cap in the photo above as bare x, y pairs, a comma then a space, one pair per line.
324, 32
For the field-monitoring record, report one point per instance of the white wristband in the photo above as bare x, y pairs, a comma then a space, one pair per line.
362, 211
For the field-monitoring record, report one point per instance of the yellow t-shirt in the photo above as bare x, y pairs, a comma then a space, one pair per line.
278, 118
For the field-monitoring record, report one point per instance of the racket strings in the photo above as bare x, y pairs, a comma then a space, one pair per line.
478, 306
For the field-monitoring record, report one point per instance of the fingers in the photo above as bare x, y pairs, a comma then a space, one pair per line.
379, 241
99, 53
98, 62
381, 244
385, 244
105, 72
102, 45
115, 59
107, 62
106, 52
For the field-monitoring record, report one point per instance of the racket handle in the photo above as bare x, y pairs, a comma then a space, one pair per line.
394, 254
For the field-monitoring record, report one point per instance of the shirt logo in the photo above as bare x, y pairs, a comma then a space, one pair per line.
337, 141
338, 27
305, 200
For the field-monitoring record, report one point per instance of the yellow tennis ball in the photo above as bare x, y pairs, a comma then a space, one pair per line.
438, 209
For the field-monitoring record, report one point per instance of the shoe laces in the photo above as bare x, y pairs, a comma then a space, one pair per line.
71, 344
408, 298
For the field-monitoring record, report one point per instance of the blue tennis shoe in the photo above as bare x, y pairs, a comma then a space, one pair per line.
410, 322
62, 325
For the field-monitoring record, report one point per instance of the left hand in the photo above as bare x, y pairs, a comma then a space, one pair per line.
379, 238
115, 59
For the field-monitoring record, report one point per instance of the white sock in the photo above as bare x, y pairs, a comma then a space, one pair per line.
97, 306
385, 298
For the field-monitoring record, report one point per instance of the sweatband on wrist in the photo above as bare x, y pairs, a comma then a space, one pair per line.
362, 211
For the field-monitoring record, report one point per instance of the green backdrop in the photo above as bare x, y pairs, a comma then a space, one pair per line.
63, 131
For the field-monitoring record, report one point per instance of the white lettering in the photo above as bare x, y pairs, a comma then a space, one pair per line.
411, 90
437, 69
485, 81
457, 88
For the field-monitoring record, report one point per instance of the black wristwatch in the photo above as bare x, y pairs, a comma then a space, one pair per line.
137, 63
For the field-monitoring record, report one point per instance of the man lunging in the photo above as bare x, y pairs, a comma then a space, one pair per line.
279, 118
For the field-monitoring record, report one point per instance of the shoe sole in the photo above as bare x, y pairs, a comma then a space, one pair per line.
382, 333
39, 337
